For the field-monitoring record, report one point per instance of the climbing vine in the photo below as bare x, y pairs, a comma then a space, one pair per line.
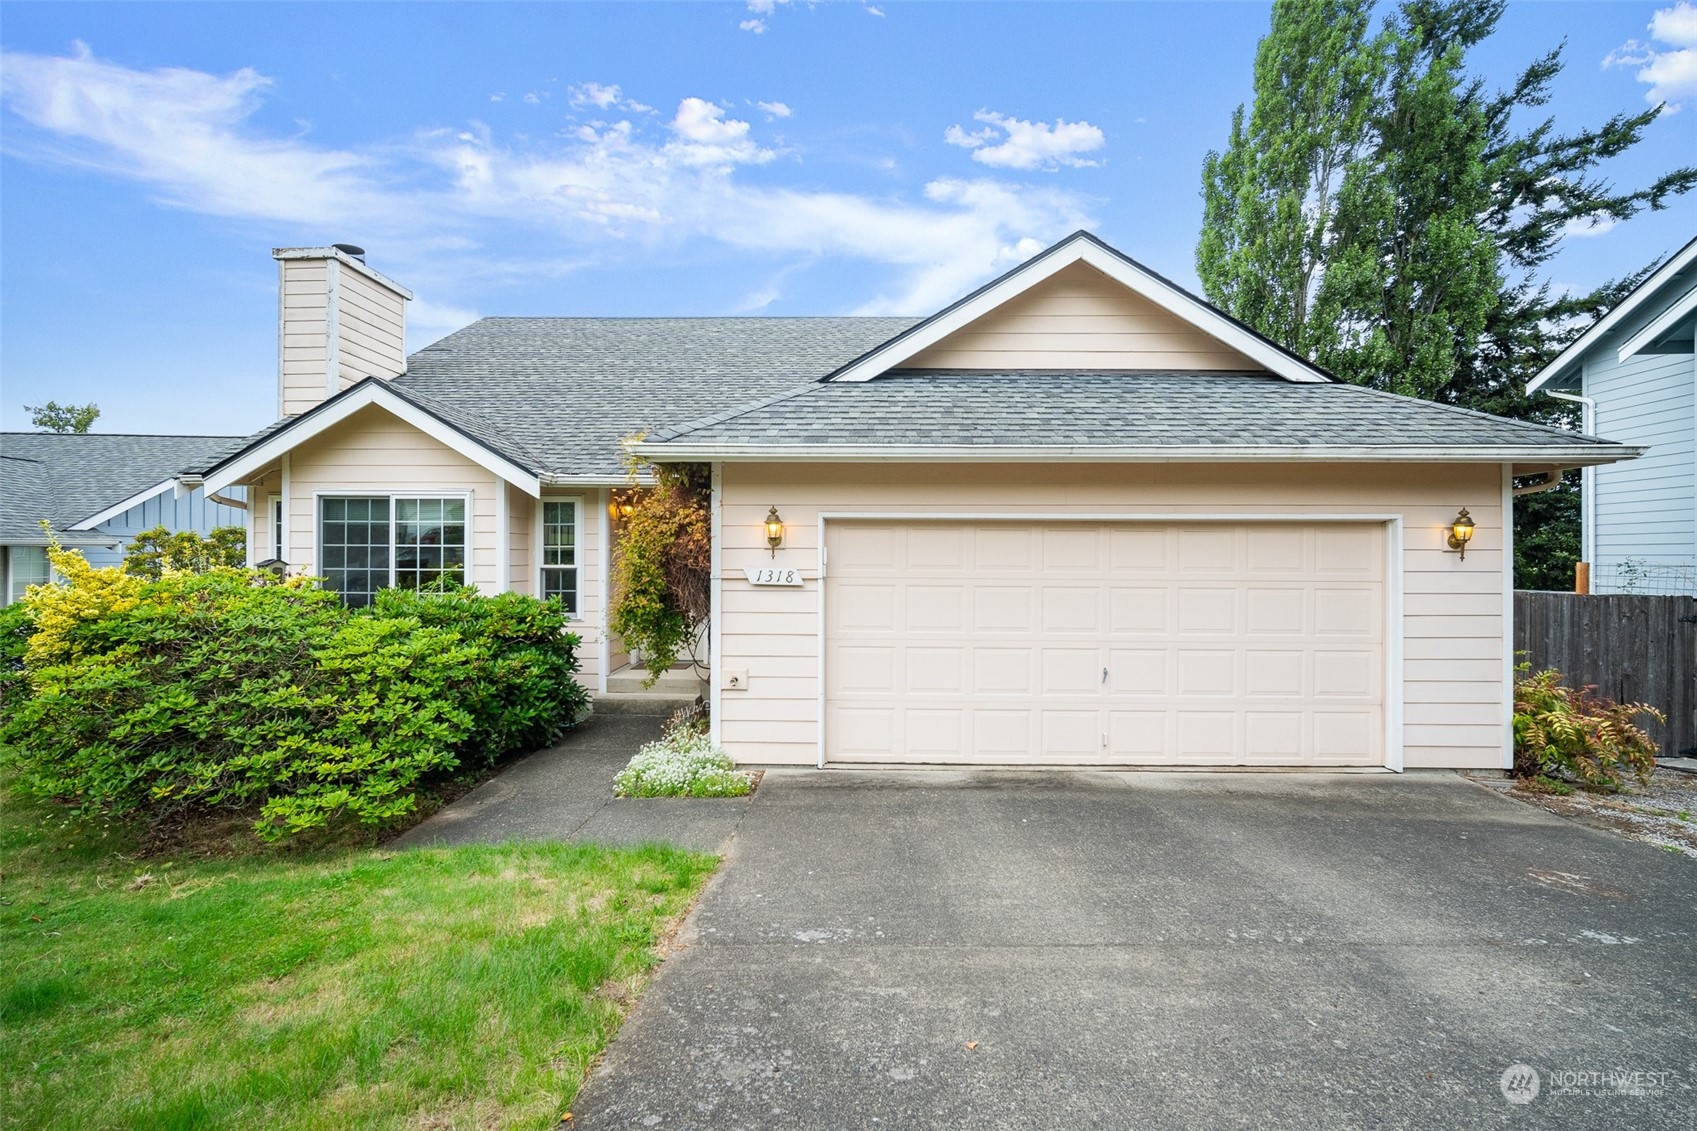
662, 568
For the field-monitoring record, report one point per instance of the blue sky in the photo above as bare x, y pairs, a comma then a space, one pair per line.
702, 158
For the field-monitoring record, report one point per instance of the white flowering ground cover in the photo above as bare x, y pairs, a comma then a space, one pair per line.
685, 763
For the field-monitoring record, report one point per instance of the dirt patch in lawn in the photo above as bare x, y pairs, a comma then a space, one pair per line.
1662, 811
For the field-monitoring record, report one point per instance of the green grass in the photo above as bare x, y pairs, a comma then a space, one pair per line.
441, 988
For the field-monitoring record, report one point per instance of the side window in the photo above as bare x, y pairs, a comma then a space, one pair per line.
27, 565
559, 553
277, 527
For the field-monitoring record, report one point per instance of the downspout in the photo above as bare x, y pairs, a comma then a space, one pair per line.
1588, 477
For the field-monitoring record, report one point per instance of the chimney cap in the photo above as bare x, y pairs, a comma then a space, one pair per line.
350, 249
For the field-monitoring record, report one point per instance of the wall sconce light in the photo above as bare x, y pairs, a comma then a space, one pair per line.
774, 530
620, 507
1461, 532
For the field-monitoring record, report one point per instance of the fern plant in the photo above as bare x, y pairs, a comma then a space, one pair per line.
1565, 737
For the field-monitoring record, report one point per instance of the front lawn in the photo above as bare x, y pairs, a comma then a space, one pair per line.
441, 988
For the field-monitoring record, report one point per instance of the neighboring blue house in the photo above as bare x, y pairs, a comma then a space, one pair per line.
1635, 374
99, 491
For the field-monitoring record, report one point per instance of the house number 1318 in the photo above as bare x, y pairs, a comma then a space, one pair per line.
773, 576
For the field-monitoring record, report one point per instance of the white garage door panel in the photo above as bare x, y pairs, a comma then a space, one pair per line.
1225, 644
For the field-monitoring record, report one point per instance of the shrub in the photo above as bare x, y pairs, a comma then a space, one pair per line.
661, 581
16, 628
1564, 736
154, 551
684, 763
232, 689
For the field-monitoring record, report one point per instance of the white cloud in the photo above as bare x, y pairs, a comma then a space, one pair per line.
757, 26
603, 97
1581, 227
441, 198
774, 109
1670, 70
1027, 145
498, 96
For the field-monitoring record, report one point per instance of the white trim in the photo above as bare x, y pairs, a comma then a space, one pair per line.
332, 413
1392, 704
503, 538
1081, 248
643, 479
604, 500
332, 328
117, 509
1680, 260
288, 518
1395, 612
577, 616
1562, 457
341, 257
716, 610
1508, 617
1681, 308
251, 526
1587, 475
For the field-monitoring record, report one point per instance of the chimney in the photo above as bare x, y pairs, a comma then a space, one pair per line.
338, 322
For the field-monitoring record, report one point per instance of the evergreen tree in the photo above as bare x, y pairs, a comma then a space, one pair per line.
1387, 216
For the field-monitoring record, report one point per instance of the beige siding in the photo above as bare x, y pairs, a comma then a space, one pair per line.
1452, 616
1080, 319
371, 328
304, 342
373, 452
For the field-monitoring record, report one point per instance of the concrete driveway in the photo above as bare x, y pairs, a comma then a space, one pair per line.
995, 949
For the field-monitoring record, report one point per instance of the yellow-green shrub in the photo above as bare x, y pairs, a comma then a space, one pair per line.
1563, 735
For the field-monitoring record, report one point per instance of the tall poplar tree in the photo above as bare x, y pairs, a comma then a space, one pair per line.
1381, 212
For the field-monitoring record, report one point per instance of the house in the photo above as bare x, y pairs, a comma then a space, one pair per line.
98, 491
1634, 373
1078, 517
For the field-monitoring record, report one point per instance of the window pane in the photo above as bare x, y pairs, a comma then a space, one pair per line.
561, 583
29, 567
355, 551
559, 534
429, 542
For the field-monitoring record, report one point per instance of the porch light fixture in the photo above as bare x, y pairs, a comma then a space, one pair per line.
774, 530
1461, 532
620, 507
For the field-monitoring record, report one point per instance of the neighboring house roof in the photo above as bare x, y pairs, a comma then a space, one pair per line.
1666, 297
1082, 247
557, 396
922, 415
68, 479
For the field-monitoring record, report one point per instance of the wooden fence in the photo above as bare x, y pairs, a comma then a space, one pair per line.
1631, 648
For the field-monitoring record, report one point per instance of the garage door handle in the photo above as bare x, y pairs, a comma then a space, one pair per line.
1104, 675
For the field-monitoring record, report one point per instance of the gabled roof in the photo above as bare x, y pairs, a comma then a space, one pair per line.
556, 397
1675, 280
68, 479
931, 415
1082, 247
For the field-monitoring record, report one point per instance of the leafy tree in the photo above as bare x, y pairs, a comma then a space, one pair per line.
153, 551
1385, 214
56, 417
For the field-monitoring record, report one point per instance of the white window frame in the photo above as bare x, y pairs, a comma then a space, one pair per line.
11, 570
318, 497
539, 568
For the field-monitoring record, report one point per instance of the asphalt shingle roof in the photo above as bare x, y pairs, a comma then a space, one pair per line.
559, 395
66, 478
1108, 409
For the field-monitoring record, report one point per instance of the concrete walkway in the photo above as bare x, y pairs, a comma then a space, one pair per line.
1091, 950
566, 793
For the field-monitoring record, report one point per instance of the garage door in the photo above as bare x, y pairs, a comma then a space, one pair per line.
1116, 644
